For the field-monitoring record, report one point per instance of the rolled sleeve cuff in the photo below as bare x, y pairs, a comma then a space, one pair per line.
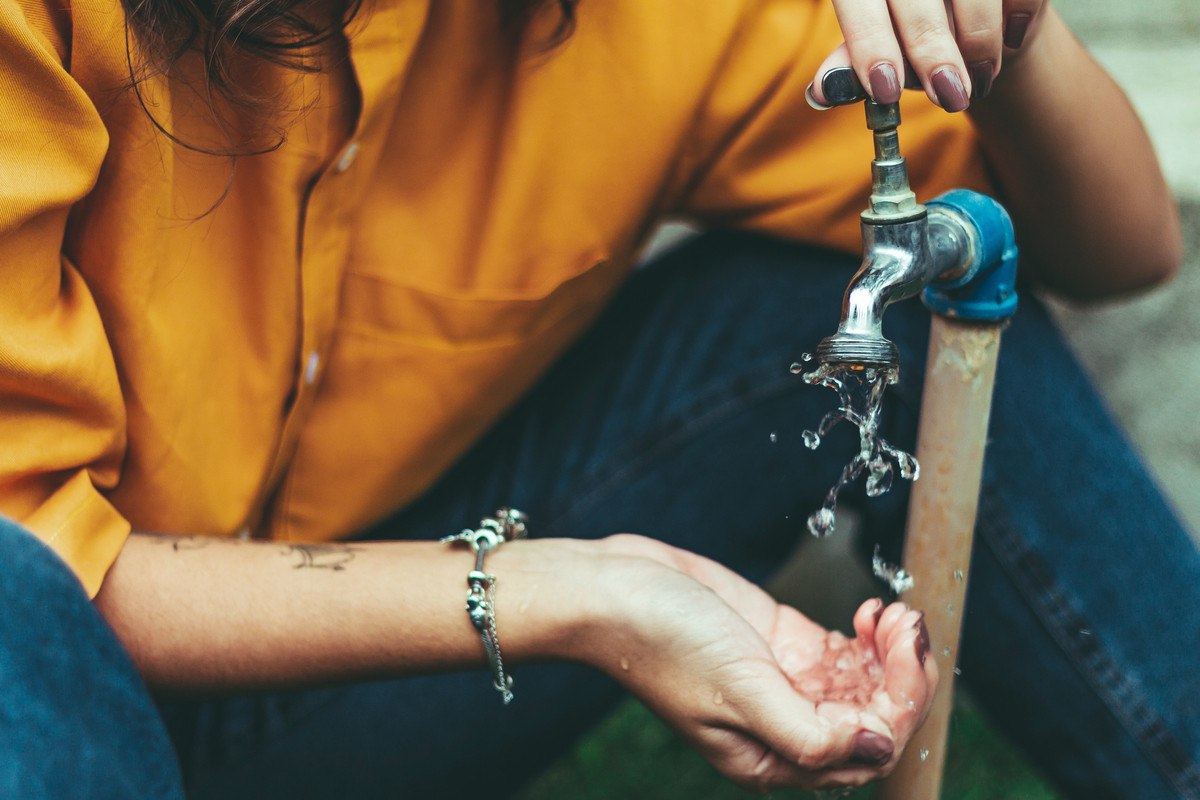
79, 524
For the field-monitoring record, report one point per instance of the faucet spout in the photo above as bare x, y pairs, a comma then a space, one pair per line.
900, 260
895, 267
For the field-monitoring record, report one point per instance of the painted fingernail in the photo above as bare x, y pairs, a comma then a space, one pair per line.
813, 101
840, 86
949, 88
871, 749
981, 78
885, 83
921, 644
1015, 28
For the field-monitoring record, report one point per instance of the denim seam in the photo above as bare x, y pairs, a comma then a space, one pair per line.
1058, 616
716, 405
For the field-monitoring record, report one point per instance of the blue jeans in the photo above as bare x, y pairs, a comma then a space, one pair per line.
677, 417
76, 720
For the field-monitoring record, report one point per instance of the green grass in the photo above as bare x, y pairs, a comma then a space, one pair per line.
633, 755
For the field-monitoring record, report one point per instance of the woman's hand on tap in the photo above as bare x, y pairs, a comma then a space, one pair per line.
953, 49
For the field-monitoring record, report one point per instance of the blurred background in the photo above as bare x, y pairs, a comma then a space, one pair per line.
1144, 355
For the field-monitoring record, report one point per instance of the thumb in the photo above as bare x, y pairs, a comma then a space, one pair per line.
789, 725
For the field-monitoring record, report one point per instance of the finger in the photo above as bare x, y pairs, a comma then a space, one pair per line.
978, 29
1020, 17
910, 674
913, 620
872, 47
893, 626
926, 36
866, 620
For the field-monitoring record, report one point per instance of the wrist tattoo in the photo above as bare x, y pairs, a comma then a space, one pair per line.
178, 542
333, 557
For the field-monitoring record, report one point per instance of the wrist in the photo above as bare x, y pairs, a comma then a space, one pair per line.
550, 598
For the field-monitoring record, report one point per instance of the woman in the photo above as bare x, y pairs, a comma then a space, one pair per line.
273, 286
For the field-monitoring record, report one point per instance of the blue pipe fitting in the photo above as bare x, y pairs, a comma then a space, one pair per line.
988, 289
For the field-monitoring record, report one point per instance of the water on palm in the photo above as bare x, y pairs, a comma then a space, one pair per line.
860, 392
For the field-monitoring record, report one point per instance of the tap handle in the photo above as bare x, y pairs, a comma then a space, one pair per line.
842, 87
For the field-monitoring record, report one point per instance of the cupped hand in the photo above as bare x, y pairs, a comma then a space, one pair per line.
767, 696
953, 49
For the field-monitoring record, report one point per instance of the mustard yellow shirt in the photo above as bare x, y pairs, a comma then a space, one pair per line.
443, 219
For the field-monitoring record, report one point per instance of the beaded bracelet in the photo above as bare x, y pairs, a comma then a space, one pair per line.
508, 524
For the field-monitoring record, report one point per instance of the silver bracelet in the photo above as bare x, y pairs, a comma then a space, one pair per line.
507, 525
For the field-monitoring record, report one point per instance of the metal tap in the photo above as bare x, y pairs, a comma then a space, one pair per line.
906, 247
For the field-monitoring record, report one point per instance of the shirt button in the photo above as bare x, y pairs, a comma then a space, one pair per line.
346, 159
311, 364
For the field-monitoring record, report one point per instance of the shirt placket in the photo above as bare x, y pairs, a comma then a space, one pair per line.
379, 55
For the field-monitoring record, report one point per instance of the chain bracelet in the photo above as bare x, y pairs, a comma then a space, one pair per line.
508, 524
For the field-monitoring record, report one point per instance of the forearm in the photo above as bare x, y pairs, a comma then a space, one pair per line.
211, 614
1077, 170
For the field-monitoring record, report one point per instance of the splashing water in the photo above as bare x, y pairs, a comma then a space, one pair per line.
895, 577
860, 395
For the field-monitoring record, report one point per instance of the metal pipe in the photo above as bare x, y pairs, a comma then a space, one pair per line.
941, 523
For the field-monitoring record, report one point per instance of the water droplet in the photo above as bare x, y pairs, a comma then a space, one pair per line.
949, 608
896, 577
958, 575
625, 664
924, 754
820, 522
880, 478
812, 440
796, 368
946, 651
957, 671
806, 357
774, 437
718, 698
1085, 632
909, 468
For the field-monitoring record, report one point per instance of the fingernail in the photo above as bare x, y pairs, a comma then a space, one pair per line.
840, 85
1015, 28
812, 100
871, 749
981, 78
885, 83
878, 615
922, 641
949, 88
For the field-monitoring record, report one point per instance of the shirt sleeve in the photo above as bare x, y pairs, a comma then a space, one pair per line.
61, 414
761, 158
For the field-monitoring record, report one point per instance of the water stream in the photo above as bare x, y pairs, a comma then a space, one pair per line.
860, 394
